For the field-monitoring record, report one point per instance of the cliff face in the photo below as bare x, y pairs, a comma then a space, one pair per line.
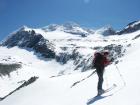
30, 40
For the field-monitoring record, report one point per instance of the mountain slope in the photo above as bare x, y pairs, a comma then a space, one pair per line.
57, 90
72, 62
131, 27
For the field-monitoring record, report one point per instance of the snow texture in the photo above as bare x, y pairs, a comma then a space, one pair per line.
72, 62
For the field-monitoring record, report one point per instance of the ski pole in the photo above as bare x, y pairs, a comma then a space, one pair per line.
120, 75
75, 83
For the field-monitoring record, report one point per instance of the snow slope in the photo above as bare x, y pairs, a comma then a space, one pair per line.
57, 90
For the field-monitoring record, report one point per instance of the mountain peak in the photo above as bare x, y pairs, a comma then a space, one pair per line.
132, 24
107, 30
24, 28
70, 25
131, 27
51, 27
65, 26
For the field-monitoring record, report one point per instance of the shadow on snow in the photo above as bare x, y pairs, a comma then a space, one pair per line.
97, 98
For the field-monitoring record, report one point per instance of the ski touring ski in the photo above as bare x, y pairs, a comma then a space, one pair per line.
101, 96
108, 89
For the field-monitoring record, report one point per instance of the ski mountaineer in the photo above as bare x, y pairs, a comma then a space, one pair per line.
100, 61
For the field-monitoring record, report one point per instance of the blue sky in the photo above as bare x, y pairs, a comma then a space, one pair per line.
87, 13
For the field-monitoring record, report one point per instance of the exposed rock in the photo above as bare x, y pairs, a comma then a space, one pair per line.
6, 69
131, 27
32, 40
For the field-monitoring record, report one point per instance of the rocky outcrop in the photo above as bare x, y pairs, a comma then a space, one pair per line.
6, 69
131, 27
84, 62
106, 31
30, 40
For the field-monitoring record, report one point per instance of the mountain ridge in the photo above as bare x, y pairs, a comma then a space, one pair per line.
67, 57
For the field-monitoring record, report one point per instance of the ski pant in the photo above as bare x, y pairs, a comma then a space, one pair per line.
100, 72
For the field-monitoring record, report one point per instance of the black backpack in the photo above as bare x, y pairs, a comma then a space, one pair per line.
98, 59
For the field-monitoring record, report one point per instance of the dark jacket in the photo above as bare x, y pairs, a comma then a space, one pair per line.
100, 60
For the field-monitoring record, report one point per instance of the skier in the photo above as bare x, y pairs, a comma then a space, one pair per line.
100, 61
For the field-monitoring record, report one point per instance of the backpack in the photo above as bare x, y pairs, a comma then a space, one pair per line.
98, 59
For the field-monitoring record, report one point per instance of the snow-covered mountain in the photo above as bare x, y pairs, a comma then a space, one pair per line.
131, 27
39, 66
69, 27
29, 39
108, 30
